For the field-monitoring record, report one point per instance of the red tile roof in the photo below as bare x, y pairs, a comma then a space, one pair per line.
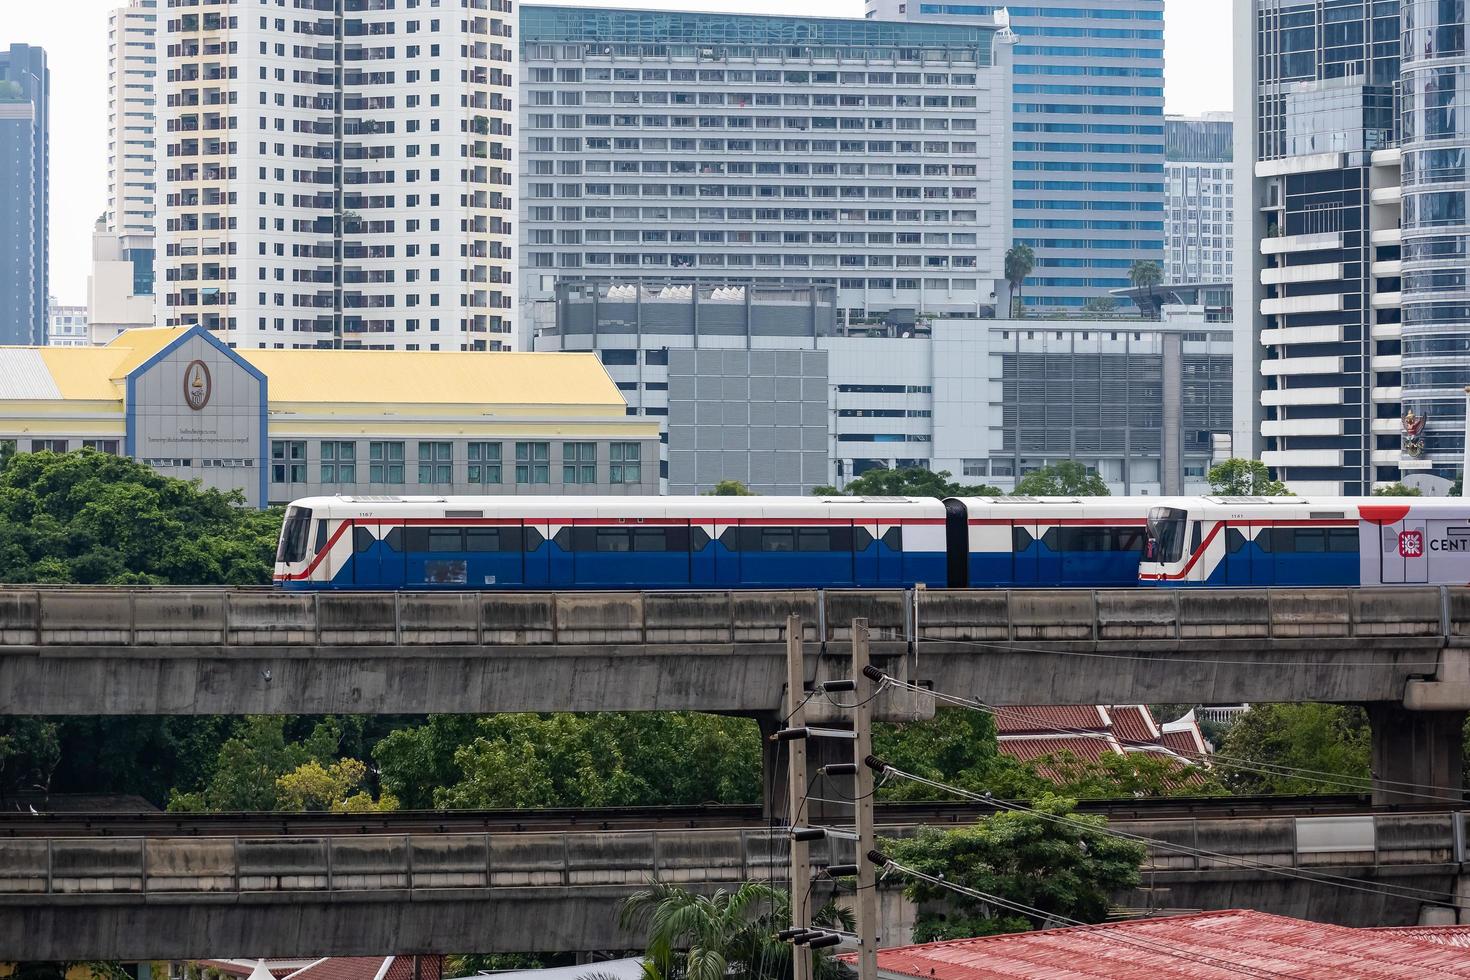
1188, 743
1028, 747
1207, 946
1133, 723
1434, 935
373, 968
1047, 718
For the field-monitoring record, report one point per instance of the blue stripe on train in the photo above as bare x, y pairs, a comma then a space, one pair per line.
1038, 565
714, 566
1252, 565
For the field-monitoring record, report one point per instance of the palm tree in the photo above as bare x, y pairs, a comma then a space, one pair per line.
1020, 260
1146, 273
724, 935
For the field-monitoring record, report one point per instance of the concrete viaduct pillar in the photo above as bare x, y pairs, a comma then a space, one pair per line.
827, 798
1417, 755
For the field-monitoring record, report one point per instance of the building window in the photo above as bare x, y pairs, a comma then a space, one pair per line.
288, 461
385, 462
436, 462
579, 462
339, 462
108, 446
484, 462
976, 467
48, 445
626, 464
533, 462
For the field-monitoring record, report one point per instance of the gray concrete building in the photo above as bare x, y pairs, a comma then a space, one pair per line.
734, 373
866, 155
25, 197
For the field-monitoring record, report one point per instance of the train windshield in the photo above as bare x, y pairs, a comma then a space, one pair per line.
1165, 534
294, 534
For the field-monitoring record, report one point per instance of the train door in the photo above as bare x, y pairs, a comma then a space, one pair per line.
1050, 548
536, 563
379, 562
1025, 548
1239, 555
1403, 549
869, 567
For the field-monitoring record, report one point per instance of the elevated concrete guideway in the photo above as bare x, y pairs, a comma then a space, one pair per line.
160, 651
191, 897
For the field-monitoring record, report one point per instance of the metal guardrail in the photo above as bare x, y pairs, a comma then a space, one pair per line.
81, 617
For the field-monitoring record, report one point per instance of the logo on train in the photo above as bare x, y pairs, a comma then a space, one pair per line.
197, 385
1411, 544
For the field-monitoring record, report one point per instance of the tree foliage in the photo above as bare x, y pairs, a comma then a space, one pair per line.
1397, 490
1068, 478
1244, 478
729, 935
1145, 274
1332, 739
1100, 304
1052, 859
730, 488
93, 518
1019, 263
910, 481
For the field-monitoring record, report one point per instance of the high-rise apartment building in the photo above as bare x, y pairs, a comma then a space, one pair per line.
1087, 136
337, 173
1199, 216
865, 155
25, 200
1318, 263
121, 288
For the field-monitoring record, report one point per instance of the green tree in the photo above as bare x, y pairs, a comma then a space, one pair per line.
1397, 490
93, 518
1100, 304
911, 481
730, 488
1332, 739
1068, 478
730, 935
1457, 489
1051, 859
957, 747
313, 786
1146, 274
1244, 478
1019, 263
30, 751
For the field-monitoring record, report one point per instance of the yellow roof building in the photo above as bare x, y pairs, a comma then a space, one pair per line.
281, 424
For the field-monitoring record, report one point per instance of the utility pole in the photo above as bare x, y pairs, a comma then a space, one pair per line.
867, 879
801, 864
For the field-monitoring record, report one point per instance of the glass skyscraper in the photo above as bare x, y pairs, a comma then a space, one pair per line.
25, 199
1087, 136
1200, 217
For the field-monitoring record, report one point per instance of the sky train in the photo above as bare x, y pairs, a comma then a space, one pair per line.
538, 543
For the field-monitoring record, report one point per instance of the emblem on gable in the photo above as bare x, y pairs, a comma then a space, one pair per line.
198, 385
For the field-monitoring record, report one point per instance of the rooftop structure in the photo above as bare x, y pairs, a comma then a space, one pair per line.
1206, 946
281, 424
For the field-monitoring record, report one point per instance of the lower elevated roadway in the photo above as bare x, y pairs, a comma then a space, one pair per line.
369, 890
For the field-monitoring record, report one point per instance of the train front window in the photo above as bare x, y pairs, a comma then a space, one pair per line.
1165, 534
294, 534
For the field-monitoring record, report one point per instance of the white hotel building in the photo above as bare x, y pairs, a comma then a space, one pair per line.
336, 173
867, 155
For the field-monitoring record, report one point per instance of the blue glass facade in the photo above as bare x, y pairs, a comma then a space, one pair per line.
1099, 64
1435, 182
25, 85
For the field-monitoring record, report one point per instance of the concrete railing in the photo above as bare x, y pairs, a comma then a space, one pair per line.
1140, 618
387, 866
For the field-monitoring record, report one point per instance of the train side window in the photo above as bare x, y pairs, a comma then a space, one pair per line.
1196, 537
394, 539
446, 539
1129, 539
1342, 540
733, 538
1265, 539
778, 539
698, 538
611, 539
1311, 540
362, 539
416, 539
321, 536
483, 539
563, 538
1234, 540
531, 539
649, 539
1020, 539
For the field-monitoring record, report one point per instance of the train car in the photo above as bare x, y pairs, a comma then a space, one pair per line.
1031, 542
509, 543
1316, 541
